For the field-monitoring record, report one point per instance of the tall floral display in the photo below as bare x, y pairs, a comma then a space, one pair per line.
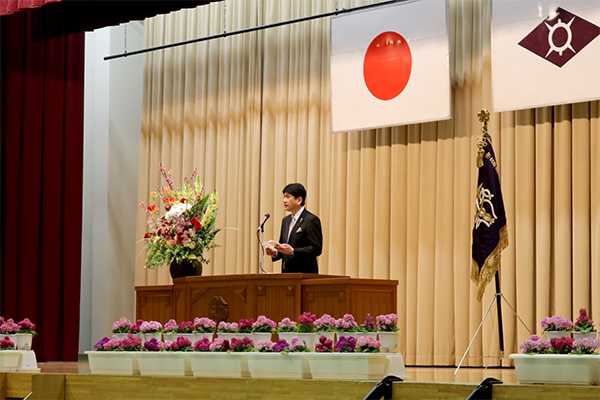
180, 232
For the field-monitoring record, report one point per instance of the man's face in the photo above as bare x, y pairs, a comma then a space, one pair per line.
291, 203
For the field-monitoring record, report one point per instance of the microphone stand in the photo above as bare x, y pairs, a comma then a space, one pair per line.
260, 233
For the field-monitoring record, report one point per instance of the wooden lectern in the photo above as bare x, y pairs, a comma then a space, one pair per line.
233, 297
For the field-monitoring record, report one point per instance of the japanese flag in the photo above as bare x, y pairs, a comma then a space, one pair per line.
390, 66
545, 52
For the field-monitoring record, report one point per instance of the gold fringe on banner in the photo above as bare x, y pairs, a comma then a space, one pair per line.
491, 265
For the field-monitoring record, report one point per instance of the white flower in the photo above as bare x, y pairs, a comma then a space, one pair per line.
177, 210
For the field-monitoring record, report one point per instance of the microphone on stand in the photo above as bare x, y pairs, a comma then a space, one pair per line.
262, 224
259, 234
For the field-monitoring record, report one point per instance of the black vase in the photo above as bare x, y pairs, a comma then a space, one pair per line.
185, 268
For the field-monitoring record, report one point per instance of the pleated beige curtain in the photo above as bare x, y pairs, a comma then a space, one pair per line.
252, 112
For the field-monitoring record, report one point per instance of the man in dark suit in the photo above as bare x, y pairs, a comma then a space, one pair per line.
301, 239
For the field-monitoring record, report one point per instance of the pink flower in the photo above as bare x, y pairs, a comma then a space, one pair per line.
346, 323
9, 327
297, 344
6, 344
205, 325
202, 345
219, 345
123, 325
535, 345
171, 326
387, 322
265, 346
325, 324
264, 324
287, 325
113, 344
26, 325
151, 326
227, 327
368, 344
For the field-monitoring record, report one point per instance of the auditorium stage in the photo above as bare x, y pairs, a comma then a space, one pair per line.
74, 381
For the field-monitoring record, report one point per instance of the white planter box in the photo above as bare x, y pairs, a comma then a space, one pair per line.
24, 341
27, 361
388, 340
113, 362
219, 364
172, 363
348, 366
277, 365
9, 360
557, 368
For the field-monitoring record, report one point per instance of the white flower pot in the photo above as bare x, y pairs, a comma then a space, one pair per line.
172, 363
366, 334
113, 362
219, 364
199, 336
557, 368
226, 335
170, 337
347, 366
24, 341
189, 336
148, 336
27, 361
120, 336
9, 360
589, 335
309, 338
278, 365
557, 334
256, 336
388, 340
328, 335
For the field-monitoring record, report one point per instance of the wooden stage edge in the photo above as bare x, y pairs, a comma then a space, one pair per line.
74, 381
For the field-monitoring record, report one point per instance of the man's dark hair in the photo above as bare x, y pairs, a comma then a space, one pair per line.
296, 190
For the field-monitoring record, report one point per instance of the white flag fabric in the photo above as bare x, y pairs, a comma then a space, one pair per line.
390, 66
545, 53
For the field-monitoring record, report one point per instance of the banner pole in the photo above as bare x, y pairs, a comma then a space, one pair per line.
499, 308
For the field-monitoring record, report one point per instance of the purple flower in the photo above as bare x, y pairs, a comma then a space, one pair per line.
100, 345
151, 345
281, 346
345, 345
368, 325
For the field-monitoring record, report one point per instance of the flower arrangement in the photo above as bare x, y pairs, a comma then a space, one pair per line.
137, 327
186, 327
583, 323
112, 345
265, 346
585, 346
100, 345
366, 344
181, 344
306, 322
264, 324
227, 327
368, 325
535, 345
556, 323
171, 327
561, 345
297, 345
131, 343
9, 327
243, 345
151, 327
204, 325
325, 324
186, 228
346, 345
151, 345
245, 325
219, 345
387, 323
202, 345
27, 327
123, 325
324, 346
346, 324
287, 325
6, 344
282, 346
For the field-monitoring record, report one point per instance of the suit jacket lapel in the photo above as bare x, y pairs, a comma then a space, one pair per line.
297, 225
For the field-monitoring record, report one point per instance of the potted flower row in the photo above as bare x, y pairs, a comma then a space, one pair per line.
557, 326
559, 361
21, 334
9, 358
218, 357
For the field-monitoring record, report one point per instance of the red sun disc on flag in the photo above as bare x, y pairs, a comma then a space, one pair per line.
387, 65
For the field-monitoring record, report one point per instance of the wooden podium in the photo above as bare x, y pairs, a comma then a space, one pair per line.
233, 297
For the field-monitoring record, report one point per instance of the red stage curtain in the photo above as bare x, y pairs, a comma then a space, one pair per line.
12, 6
41, 164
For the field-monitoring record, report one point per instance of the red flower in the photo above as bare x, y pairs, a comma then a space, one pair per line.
152, 208
170, 200
147, 235
182, 200
197, 224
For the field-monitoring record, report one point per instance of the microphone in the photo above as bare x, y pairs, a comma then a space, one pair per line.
262, 224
